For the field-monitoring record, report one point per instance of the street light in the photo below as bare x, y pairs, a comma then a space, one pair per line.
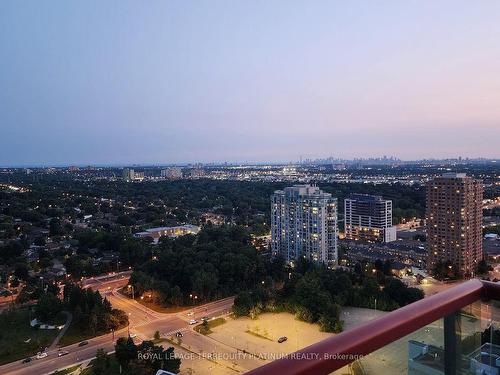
131, 287
128, 324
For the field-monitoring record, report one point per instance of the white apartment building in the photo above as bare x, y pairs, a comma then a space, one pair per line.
304, 224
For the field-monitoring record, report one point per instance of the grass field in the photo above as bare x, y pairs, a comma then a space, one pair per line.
157, 307
113, 369
74, 335
15, 330
258, 335
66, 371
206, 329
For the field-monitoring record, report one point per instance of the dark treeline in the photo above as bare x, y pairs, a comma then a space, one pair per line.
216, 263
143, 359
90, 311
315, 293
171, 202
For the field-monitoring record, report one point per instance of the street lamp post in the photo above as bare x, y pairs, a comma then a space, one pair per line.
128, 324
132, 287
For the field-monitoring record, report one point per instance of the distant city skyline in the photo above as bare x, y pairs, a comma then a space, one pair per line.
313, 161
174, 82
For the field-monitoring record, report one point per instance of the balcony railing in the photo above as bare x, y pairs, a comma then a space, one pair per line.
441, 334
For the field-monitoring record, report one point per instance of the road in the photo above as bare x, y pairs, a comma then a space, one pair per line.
109, 281
144, 322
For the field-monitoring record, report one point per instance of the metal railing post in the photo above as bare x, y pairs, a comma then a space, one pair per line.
452, 344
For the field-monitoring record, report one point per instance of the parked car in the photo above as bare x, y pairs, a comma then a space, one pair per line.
41, 355
133, 335
193, 321
64, 352
205, 318
27, 360
282, 339
178, 334
83, 343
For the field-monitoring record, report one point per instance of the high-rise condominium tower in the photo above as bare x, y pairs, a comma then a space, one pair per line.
369, 218
454, 219
304, 224
128, 174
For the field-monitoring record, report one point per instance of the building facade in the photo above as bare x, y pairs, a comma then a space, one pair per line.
454, 222
171, 173
128, 174
172, 232
369, 218
304, 224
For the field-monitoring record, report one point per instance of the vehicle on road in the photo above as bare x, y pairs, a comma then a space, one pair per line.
27, 360
193, 321
64, 352
282, 339
178, 334
191, 313
205, 318
133, 335
41, 355
83, 343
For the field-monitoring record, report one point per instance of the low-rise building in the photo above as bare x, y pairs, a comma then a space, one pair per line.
156, 233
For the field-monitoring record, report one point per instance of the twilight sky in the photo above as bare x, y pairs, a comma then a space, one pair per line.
110, 82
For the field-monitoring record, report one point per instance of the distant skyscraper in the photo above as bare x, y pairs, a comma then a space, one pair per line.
454, 219
368, 217
131, 175
171, 173
128, 174
195, 173
304, 224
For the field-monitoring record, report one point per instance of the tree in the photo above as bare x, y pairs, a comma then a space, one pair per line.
304, 314
482, 267
92, 322
101, 363
21, 271
310, 295
387, 268
445, 270
55, 228
125, 351
157, 358
242, 304
106, 305
176, 298
47, 307
205, 284
329, 320
370, 287
400, 293
39, 241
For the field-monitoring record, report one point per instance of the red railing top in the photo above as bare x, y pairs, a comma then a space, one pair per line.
334, 353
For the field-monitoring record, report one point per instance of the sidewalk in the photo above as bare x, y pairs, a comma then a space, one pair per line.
69, 318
